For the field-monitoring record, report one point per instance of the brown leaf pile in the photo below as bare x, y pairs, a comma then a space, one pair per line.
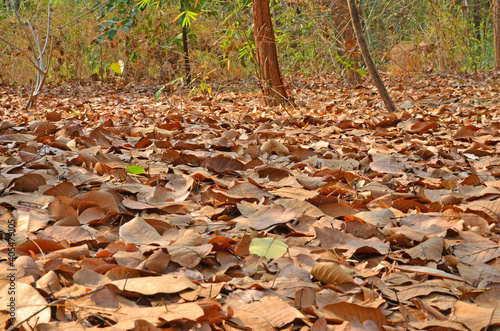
391, 220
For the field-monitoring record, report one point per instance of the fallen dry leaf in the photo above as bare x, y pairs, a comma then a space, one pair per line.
361, 219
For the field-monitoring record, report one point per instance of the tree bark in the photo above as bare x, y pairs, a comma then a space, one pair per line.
496, 32
267, 56
343, 23
476, 18
353, 10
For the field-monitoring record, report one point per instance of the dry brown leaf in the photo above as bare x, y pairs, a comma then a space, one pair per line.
105, 200
31, 220
388, 165
49, 282
28, 301
72, 234
335, 239
407, 203
223, 164
137, 231
90, 278
468, 314
268, 313
248, 190
91, 214
433, 324
376, 217
431, 249
53, 116
122, 273
490, 208
273, 173
41, 126
330, 273
154, 285
273, 146
39, 246
28, 183
474, 254
269, 216
479, 275
74, 253
301, 207
61, 209
344, 311
65, 189
337, 209
428, 224
156, 262
428, 271
188, 256
340, 181
422, 127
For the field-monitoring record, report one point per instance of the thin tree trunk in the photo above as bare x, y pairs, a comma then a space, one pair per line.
187, 66
353, 10
476, 18
267, 56
496, 32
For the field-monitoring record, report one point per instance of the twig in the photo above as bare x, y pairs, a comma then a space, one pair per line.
23, 52
23, 27
18, 324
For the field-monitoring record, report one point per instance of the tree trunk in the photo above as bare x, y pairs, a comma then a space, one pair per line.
267, 56
353, 10
496, 32
187, 67
343, 24
476, 19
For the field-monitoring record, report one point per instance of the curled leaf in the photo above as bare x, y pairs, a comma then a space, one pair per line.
330, 273
274, 146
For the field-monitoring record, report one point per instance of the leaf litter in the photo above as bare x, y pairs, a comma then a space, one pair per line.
219, 214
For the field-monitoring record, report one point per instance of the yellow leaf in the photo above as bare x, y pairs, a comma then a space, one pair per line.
177, 17
115, 66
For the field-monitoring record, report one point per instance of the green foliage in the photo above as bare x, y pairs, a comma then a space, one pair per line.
205, 87
186, 17
400, 28
238, 33
118, 15
404, 36
157, 94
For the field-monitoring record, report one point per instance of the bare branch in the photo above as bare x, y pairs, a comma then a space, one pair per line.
48, 31
23, 52
22, 26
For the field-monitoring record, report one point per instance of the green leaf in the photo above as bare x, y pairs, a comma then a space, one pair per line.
135, 169
116, 67
158, 93
361, 72
270, 248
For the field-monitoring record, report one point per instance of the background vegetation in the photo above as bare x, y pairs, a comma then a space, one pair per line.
406, 36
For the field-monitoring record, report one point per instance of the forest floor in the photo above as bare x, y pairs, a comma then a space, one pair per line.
212, 212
